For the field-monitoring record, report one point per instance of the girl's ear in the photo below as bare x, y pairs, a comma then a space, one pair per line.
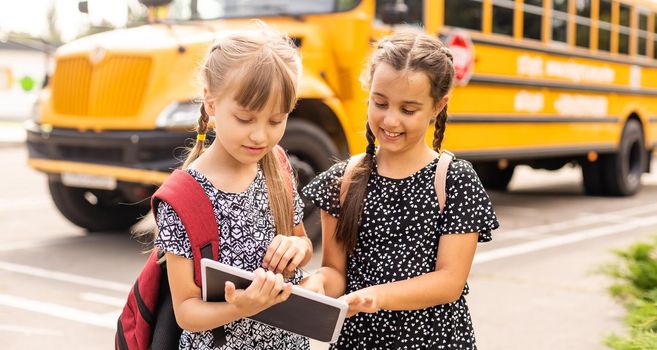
208, 102
440, 104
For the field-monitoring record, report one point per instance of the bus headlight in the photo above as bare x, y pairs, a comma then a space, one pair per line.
179, 114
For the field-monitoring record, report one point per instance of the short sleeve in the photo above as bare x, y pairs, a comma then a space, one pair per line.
468, 207
171, 233
324, 190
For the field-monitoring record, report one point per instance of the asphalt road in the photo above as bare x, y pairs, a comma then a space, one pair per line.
533, 287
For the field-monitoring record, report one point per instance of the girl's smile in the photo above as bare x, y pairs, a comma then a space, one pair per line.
390, 136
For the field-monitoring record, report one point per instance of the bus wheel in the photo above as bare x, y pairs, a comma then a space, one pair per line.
311, 151
492, 177
94, 210
623, 169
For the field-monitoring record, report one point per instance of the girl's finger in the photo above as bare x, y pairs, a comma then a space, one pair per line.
259, 279
278, 254
229, 291
285, 260
355, 300
278, 287
273, 246
287, 290
296, 261
269, 283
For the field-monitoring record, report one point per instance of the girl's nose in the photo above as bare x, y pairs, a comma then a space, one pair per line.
391, 119
257, 136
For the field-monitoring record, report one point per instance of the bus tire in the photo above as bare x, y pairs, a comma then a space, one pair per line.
492, 177
74, 204
623, 169
311, 152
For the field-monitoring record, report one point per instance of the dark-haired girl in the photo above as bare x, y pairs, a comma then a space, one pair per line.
387, 250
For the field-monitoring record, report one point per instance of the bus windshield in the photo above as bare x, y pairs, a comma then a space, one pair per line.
183, 10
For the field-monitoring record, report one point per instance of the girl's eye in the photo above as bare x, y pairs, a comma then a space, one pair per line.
243, 120
274, 122
380, 105
407, 111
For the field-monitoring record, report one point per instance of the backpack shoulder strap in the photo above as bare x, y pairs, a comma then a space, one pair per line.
348, 171
187, 197
444, 160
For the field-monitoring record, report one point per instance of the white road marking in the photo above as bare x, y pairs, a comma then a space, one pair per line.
21, 245
524, 248
65, 277
516, 210
102, 299
28, 330
613, 217
60, 311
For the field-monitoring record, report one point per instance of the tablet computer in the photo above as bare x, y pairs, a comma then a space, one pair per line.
306, 313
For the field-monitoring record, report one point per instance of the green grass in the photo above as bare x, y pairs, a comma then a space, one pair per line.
635, 286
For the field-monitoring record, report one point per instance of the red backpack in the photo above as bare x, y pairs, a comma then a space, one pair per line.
147, 320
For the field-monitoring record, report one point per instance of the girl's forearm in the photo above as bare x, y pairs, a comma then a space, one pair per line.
196, 315
333, 281
431, 289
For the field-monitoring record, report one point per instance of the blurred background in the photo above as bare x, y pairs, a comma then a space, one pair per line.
555, 105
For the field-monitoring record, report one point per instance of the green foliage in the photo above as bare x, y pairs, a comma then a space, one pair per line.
636, 287
644, 340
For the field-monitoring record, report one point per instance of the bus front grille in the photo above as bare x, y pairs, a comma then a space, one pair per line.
114, 87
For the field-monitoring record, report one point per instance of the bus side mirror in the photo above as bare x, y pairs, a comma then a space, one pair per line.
83, 6
155, 3
396, 13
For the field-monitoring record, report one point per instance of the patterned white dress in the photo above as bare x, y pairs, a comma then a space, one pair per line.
397, 240
246, 229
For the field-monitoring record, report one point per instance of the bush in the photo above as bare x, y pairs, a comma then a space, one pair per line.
636, 288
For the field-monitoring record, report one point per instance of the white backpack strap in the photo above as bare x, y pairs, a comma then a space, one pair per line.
346, 177
444, 159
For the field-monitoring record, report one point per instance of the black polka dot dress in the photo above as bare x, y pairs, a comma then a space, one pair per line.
397, 240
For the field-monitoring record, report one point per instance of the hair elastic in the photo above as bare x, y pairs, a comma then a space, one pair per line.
200, 137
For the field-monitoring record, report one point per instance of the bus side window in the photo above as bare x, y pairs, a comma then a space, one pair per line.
413, 17
604, 26
463, 13
560, 20
642, 48
654, 31
503, 17
624, 30
583, 23
532, 19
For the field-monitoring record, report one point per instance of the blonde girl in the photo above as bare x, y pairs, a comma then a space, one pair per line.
401, 265
250, 86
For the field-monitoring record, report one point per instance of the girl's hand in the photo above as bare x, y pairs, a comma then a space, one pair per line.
313, 283
364, 300
285, 253
267, 289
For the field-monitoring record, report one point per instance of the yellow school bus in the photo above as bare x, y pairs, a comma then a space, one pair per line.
543, 83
